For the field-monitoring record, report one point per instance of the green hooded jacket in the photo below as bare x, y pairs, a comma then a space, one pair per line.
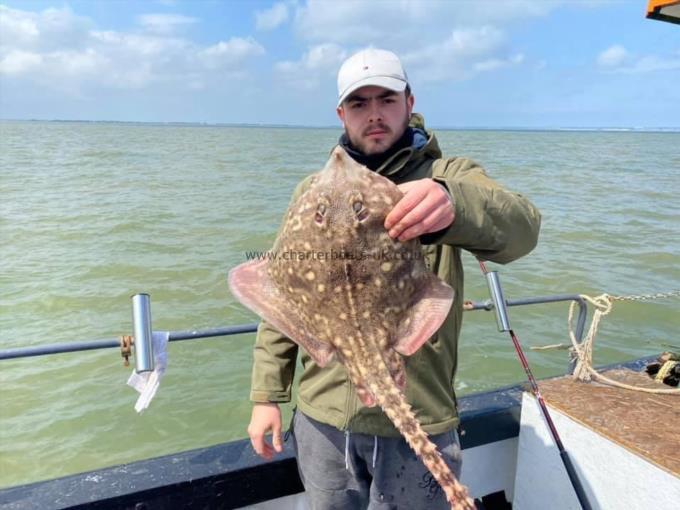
491, 222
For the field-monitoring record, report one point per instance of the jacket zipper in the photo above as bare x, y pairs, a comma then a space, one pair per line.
349, 405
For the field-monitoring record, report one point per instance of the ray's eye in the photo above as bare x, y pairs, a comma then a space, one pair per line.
320, 213
360, 210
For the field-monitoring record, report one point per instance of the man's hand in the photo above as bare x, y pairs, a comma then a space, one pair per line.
265, 418
425, 207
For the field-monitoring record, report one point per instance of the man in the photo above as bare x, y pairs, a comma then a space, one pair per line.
351, 456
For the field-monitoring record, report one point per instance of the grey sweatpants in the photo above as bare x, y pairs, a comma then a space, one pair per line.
347, 471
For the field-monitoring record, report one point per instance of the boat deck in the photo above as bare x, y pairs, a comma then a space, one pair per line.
643, 423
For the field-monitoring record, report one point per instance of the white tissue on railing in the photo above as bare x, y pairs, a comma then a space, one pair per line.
147, 383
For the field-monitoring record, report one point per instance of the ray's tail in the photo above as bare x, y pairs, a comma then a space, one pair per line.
394, 404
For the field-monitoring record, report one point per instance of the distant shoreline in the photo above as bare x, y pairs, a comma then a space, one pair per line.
294, 126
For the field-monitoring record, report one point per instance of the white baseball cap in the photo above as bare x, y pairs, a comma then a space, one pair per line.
371, 66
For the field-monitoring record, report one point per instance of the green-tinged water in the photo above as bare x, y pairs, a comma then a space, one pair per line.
91, 213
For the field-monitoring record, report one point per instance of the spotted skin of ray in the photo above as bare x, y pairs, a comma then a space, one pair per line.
353, 293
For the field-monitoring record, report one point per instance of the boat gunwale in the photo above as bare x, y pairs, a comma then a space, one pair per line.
230, 475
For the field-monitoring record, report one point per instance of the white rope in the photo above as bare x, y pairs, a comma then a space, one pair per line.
584, 370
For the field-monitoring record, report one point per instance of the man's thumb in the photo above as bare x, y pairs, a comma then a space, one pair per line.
276, 438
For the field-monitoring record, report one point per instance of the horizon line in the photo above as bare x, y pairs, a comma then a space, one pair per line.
320, 126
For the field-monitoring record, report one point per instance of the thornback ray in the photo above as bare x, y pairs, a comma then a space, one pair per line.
340, 287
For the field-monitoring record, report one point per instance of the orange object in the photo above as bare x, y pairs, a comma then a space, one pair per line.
664, 10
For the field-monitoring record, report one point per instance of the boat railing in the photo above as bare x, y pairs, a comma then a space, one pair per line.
142, 327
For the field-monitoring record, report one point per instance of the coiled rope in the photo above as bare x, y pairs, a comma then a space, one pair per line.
583, 352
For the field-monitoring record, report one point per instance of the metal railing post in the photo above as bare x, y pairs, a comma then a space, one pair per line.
141, 325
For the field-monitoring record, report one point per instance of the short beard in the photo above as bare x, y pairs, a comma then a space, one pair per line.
360, 146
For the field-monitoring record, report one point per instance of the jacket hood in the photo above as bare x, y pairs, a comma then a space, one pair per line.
430, 146
424, 146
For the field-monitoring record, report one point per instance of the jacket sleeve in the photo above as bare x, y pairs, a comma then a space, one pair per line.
274, 358
274, 355
491, 222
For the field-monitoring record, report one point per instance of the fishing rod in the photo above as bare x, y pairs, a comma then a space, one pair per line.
503, 322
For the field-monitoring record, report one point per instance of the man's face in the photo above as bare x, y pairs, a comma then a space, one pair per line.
374, 118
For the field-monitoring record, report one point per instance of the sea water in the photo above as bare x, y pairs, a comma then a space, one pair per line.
91, 213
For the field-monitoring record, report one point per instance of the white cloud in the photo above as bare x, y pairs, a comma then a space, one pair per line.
18, 62
651, 63
496, 63
164, 23
473, 42
18, 27
232, 51
612, 56
271, 18
441, 41
356, 23
319, 62
399, 24
461, 55
324, 57
44, 30
142, 45
618, 60
62, 51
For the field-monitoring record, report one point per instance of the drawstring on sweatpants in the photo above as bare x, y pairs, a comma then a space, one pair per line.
375, 449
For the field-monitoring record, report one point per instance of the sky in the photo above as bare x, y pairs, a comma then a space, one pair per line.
472, 63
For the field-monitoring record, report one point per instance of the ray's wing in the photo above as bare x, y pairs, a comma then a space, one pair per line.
425, 317
253, 287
